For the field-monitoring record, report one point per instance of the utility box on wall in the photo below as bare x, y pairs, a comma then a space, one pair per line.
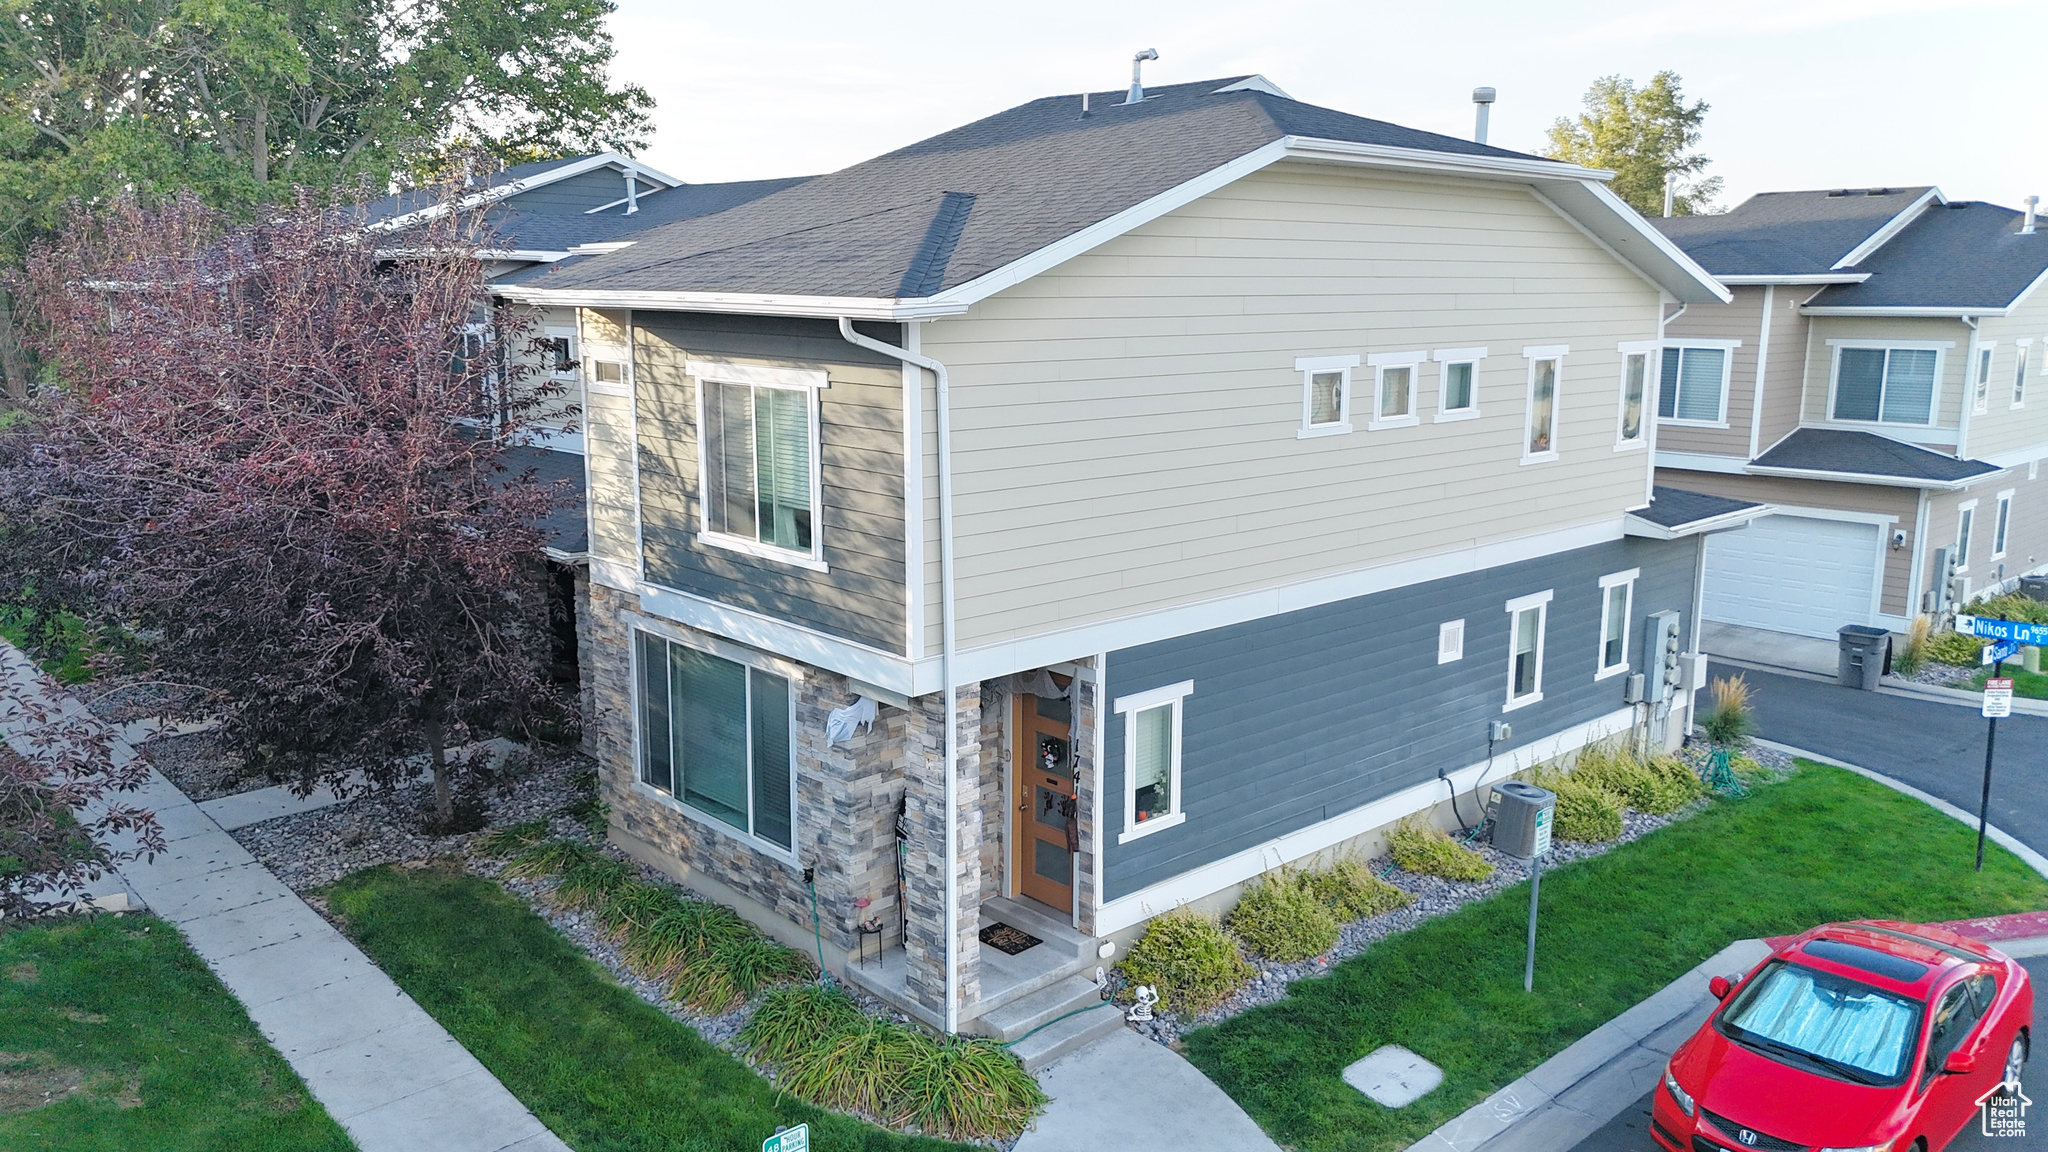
1665, 672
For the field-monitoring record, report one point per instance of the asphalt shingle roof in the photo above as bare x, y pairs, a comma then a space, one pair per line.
567, 527
1966, 254
554, 231
1037, 172
1787, 233
1677, 507
1867, 454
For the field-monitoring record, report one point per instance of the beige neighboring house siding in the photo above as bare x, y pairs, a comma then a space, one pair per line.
1791, 495
1740, 320
2026, 545
1820, 361
1785, 379
608, 449
2003, 430
1125, 424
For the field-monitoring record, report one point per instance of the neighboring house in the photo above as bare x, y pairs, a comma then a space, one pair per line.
1238, 475
1879, 381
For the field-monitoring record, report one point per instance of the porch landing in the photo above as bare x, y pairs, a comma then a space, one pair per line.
1005, 979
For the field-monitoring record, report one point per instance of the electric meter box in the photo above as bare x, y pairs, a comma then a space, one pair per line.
1522, 816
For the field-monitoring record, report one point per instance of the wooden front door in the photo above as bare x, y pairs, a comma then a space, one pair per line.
1042, 769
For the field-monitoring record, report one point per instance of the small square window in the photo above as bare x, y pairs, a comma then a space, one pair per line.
1394, 388
1450, 642
1693, 386
1325, 394
608, 374
1457, 396
557, 353
1325, 398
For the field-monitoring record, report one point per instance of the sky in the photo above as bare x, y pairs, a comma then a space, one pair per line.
1803, 93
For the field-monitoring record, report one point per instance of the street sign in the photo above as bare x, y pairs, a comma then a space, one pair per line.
797, 1139
1999, 650
1998, 697
2033, 635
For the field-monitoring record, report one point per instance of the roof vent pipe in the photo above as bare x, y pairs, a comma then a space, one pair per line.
632, 194
2027, 229
1483, 98
1137, 85
1670, 187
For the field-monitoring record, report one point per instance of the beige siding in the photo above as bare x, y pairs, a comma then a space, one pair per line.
1820, 361
608, 447
1902, 503
2026, 545
1785, 378
2002, 430
1740, 320
1125, 424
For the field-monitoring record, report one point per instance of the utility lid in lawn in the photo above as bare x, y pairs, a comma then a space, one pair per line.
1394, 1076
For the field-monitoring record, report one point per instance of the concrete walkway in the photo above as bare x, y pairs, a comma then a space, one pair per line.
379, 1064
1129, 1093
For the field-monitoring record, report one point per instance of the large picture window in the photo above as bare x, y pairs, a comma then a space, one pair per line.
1152, 745
715, 734
1886, 385
1692, 386
760, 459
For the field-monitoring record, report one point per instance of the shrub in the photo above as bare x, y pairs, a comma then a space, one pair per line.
1955, 648
1660, 785
550, 858
1282, 919
794, 1018
590, 882
1189, 959
831, 1054
1426, 850
726, 973
962, 1088
1909, 656
635, 905
1729, 720
1586, 812
2011, 606
856, 1069
516, 838
1353, 892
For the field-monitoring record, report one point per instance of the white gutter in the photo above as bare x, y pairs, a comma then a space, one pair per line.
1636, 524
1903, 310
749, 303
1878, 479
946, 631
1809, 278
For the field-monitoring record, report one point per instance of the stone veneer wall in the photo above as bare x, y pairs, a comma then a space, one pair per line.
1087, 778
925, 779
997, 704
846, 795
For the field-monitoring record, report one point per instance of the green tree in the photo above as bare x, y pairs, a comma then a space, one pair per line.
1641, 134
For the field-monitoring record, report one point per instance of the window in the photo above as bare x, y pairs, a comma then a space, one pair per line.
1955, 1017
1888, 385
1457, 394
1824, 1023
609, 377
1635, 382
1525, 649
1692, 387
1394, 388
2019, 374
715, 734
1544, 364
1450, 642
1966, 519
1152, 749
1325, 394
2001, 524
557, 348
1617, 596
760, 460
1983, 379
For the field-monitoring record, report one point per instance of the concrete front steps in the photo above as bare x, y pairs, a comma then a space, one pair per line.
1045, 1000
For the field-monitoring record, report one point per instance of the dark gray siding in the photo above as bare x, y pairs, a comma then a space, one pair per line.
1301, 717
860, 433
576, 194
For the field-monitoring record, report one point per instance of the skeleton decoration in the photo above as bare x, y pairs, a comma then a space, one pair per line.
1142, 1011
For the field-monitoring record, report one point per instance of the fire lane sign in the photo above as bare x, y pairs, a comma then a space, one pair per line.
1998, 697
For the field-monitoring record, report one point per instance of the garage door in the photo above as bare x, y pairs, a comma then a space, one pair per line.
1793, 574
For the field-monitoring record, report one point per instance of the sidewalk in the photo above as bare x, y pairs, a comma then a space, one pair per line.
1127, 1092
386, 1072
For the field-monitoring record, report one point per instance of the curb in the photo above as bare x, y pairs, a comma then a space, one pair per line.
1890, 686
2004, 839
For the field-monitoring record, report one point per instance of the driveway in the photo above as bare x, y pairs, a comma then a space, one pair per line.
1937, 748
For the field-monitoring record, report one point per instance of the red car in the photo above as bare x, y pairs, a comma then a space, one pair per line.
1871, 1036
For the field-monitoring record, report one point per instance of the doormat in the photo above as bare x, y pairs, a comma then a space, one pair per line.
1004, 938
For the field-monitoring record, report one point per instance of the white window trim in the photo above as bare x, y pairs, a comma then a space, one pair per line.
807, 380
1647, 349
1130, 706
1728, 347
1540, 601
1379, 362
1445, 357
1940, 348
1607, 582
1450, 641
1308, 366
2025, 345
1985, 357
2033, 469
610, 355
748, 660
1962, 542
2001, 524
557, 332
1534, 354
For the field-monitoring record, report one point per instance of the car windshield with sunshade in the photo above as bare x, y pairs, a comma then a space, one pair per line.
1824, 1023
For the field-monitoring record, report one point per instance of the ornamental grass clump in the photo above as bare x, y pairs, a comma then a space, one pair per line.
1586, 812
1729, 720
967, 1089
1426, 850
1189, 959
790, 1019
1281, 918
1909, 656
1660, 785
1353, 892
515, 838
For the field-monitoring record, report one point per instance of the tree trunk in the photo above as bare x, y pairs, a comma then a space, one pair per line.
13, 372
437, 755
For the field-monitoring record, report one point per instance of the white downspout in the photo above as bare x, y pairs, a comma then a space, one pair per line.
1969, 393
952, 737
1763, 356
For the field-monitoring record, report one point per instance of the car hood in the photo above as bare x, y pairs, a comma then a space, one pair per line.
1780, 1100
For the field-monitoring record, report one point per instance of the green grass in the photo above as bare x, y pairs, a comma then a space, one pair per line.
165, 1057
603, 1068
1824, 845
2033, 685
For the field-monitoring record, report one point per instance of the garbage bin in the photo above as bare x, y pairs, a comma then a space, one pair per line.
1862, 654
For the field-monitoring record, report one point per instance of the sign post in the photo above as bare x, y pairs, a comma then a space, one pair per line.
797, 1139
1543, 817
2009, 635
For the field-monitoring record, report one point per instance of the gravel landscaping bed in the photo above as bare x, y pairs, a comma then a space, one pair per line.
123, 698
1939, 675
201, 767
1433, 896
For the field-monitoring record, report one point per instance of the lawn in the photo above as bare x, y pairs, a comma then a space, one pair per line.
1824, 845
2032, 685
602, 1067
139, 1047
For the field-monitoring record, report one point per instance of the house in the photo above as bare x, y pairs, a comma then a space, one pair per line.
1870, 381
1084, 511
